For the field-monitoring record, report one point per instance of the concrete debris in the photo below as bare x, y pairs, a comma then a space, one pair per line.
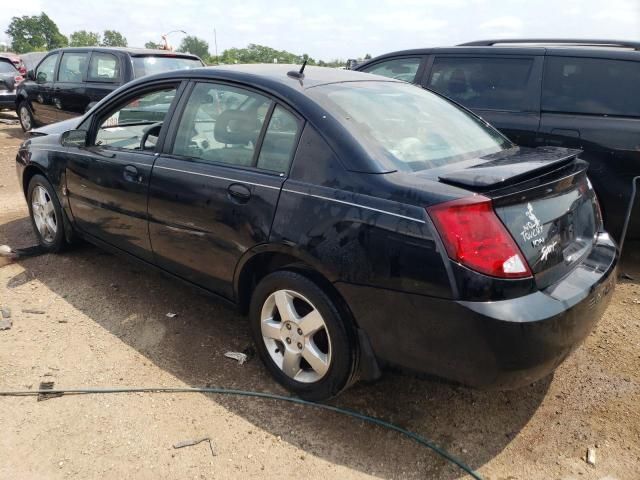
591, 456
240, 357
5, 312
6, 324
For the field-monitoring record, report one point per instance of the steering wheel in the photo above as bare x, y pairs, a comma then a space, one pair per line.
153, 129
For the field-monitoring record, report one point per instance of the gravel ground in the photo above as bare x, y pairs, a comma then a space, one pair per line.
105, 324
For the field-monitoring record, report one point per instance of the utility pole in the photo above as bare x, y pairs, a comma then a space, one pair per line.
215, 43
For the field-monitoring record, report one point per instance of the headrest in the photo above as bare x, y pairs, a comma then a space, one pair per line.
236, 127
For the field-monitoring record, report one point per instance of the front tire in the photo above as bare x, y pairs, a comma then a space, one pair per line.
304, 340
25, 115
46, 214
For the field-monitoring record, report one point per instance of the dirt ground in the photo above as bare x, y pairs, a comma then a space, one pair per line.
105, 324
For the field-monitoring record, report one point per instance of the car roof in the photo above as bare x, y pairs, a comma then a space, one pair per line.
275, 74
134, 52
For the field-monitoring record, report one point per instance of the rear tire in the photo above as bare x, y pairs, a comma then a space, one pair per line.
302, 337
46, 214
25, 115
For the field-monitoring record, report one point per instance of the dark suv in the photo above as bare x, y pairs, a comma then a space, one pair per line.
69, 81
572, 93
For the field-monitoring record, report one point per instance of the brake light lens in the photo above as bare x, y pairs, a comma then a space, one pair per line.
474, 236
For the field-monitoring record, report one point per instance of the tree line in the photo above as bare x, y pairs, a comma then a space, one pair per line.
40, 33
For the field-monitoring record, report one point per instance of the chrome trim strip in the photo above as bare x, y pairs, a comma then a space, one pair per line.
355, 205
217, 177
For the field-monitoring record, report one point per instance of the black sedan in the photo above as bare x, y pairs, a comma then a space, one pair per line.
9, 78
360, 221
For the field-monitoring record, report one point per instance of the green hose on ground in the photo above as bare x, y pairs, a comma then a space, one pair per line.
244, 393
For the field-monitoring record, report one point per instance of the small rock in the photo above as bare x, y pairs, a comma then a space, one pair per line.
6, 324
6, 312
591, 456
33, 310
172, 315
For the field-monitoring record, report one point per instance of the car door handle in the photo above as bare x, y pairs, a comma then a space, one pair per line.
239, 192
131, 174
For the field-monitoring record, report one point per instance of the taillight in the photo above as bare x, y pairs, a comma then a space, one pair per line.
475, 237
18, 79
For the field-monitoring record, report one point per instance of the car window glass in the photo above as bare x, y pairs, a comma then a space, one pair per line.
592, 86
47, 68
141, 118
103, 67
72, 66
221, 124
151, 64
483, 83
7, 67
279, 141
399, 68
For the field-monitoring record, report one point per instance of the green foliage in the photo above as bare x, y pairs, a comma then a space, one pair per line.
34, 33
195, 46
112, 38
82, 38
262, 54
152, 45
367, 56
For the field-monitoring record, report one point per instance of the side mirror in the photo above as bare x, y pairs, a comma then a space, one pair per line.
31, 75
41, 78
74, 138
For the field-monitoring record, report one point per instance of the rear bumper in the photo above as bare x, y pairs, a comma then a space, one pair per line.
501, 344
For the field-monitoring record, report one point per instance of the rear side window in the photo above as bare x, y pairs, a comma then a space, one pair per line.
591, 86
399, 68
221, 124
104, 67
72, 66
279, 141
45, 70
483, 83
152, 64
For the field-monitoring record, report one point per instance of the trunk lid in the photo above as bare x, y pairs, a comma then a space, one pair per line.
545, 200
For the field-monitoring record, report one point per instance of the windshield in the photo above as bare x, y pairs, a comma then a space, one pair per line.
149, 65
415, 128
7, 67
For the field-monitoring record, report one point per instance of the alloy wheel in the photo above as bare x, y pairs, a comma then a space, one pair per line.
44, 214
25, 117
296, 336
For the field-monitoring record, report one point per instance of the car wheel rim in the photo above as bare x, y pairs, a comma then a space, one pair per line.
25, 118
296, 336
44, 214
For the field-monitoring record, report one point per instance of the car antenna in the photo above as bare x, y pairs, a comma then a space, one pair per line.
298, 74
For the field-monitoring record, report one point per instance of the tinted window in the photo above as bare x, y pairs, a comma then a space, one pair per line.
7, 67
126, 126
399, 68
483, 83
279, 141
103, 67
221, 124
72, 66
413, 127
161, 63
46, 69
593, 86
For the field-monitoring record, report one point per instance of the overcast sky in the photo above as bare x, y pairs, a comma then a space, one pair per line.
338, 28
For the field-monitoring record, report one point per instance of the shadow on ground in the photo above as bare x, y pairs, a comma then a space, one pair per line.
474, 425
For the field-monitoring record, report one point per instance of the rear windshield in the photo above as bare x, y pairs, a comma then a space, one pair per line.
7, 67
415, 128
151, 64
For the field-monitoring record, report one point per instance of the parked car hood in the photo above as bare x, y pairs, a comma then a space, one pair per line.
57, 128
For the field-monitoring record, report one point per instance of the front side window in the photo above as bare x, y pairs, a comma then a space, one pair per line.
221, 124
72, 66
399, 68
483, 83
136, 125
414, 128
591, 86
104, 67
46, 69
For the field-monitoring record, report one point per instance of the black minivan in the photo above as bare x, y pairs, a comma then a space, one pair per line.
69, 81
572, 93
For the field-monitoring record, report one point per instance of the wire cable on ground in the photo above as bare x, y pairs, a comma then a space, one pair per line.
244, 393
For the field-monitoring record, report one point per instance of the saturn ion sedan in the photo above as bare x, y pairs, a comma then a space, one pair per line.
360, 221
